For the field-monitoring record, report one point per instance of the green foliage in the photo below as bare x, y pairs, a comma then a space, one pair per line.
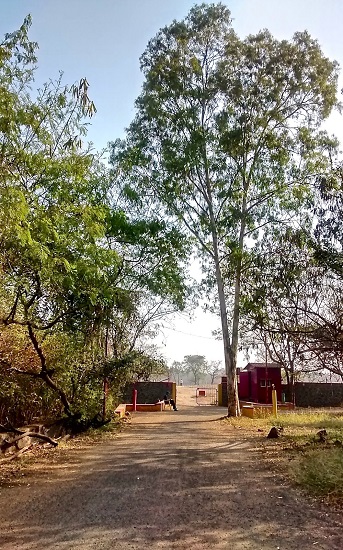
53, 197
136, 365
72, 260
223, 105
327, 240
226, 141
155, 249
321, 472
23, 400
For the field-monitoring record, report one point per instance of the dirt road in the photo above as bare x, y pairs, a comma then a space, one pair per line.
175, 480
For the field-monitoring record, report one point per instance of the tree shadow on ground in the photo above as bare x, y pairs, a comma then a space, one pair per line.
173, 485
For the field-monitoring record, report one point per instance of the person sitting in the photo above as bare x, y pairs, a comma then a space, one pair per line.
169, 401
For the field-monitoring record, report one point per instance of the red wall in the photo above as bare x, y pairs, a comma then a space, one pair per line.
253, 386
264, 394
250, 384
243, 387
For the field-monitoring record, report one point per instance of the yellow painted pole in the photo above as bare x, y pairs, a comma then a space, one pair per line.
274, 401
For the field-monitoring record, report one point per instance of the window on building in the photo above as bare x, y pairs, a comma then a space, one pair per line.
269, 383
262, 383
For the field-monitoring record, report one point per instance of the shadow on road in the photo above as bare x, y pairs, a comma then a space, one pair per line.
173, 480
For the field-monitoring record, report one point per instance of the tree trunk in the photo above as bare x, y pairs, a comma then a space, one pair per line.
230, 361
238, 276
232, 391
291, 384
7, 444
44, 374
288, 383
62, 395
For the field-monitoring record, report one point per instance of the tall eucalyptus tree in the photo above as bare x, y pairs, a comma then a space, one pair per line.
223, 140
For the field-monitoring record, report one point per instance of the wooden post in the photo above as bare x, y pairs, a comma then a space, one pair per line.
274, 400
134, 399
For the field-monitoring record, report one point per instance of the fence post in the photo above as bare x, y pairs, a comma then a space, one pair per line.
274, 400
134, 399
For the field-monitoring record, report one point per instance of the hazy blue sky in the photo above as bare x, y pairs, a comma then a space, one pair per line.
103, 39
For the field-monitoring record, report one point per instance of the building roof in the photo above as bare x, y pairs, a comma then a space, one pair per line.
252, 366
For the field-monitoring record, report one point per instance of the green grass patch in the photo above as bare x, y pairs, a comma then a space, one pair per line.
321, 472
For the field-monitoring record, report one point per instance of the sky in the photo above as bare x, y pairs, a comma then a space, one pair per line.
102, 40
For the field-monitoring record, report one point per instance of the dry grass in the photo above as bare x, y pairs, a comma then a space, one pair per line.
300, 454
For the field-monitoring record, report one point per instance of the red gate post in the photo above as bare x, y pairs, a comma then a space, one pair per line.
134, 399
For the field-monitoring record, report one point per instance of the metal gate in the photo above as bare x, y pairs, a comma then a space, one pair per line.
207, 395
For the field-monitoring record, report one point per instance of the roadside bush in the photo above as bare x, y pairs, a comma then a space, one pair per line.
23, 401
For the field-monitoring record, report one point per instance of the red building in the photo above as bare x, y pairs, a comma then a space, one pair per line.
255, 382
